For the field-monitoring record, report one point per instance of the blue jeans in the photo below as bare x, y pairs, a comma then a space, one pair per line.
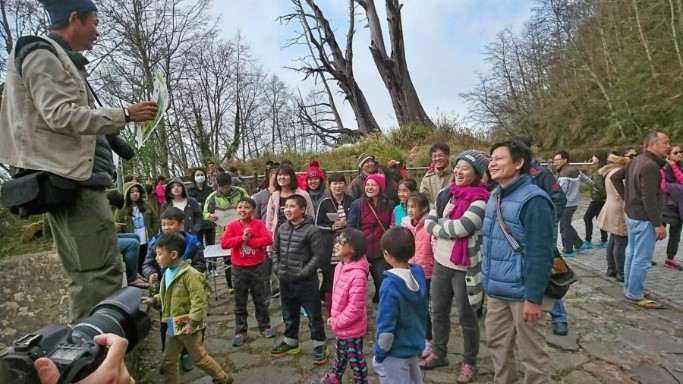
639, 252
129, 245
558, 313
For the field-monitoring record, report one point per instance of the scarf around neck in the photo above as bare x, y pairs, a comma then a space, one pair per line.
463, 197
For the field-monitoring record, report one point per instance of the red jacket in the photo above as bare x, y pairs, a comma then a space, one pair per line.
254, 251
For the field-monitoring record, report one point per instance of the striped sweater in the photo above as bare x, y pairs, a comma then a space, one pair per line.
447, 231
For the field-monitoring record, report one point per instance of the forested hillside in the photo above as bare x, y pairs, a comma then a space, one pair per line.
586, 71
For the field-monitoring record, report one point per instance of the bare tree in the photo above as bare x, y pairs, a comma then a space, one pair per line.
330, 60
393, 67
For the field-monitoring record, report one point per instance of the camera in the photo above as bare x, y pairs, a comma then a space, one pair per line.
72, 349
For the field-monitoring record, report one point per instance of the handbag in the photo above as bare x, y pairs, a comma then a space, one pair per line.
561, 275
38, 192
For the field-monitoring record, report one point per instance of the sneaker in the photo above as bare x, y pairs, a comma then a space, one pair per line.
230, 291
228, 380
654, 263
284, 349
584, 246
186, 363
611, 273
433, 361
238, 339
276, 293
673, 264
320, 354
327, 379
268, 333
619, 278
429, 349
303, 312
560, 328
467, 373
603, 245
569, 255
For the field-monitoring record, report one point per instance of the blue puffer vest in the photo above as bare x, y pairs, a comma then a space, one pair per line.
502, 270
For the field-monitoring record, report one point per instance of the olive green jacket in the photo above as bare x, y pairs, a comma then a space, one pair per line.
185, 295
125, 215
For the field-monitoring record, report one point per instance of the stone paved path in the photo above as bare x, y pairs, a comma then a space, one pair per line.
610, 341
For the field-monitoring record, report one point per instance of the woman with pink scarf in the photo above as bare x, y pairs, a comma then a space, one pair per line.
456, 222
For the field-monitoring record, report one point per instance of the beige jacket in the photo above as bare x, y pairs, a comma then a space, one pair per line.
612, 217
434, 181
48, 119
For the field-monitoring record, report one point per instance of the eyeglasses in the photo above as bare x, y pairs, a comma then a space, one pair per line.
341, 240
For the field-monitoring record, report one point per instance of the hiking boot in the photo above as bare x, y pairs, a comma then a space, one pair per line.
561, 328
268, 333
467, 373
673, 264
320, 354
238, 339
227, 380
433, 361
284, 349
186, 363
429, 349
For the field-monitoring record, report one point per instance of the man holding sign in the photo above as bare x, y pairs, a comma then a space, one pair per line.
49, 123
221, 208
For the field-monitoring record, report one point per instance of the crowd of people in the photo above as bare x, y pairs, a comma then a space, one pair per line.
479, 231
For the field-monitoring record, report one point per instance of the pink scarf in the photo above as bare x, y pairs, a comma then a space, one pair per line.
462, 199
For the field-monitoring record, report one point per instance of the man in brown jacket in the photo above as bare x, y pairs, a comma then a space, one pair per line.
639, 185
48, 122
441, 175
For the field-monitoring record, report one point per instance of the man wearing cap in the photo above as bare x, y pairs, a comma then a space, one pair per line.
49, 123
441, 175
366, 163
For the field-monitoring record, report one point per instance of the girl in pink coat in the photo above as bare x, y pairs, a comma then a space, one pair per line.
418, 206
349, 319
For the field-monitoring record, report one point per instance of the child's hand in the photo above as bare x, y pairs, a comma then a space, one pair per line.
147, 300
329, 321
153, 277
213, 217
188, 329
119, 226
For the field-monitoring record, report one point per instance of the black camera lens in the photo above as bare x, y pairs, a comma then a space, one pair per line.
118, 314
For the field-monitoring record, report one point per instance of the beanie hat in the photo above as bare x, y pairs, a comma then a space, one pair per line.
60, 10
314, 172
314, 163
478, 159
357, 241
363, 158
377, 178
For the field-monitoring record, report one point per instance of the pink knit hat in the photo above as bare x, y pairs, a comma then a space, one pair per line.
377, 178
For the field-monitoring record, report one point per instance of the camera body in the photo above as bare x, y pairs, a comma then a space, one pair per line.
72, 349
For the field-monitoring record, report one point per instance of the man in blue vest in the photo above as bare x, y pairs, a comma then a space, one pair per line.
518, 257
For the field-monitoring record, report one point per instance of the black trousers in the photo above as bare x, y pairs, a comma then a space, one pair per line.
592, 212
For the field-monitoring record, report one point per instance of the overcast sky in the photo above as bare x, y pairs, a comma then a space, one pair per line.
444, 43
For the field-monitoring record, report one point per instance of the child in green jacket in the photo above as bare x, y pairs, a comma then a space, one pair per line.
182, 300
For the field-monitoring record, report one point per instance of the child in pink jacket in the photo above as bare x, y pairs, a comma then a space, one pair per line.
349, 319
418, 206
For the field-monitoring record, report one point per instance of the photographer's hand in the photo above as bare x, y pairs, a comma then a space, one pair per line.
142, 111
112, 371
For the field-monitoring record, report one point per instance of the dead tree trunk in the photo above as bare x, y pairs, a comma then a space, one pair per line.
393, 68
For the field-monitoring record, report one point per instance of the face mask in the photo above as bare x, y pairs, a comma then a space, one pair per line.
200, 179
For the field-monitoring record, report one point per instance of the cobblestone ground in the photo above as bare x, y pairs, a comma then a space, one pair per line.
610, 341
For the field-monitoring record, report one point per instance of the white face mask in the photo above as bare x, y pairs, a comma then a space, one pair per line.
200, 179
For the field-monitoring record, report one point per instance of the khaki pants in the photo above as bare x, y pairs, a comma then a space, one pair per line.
86, 243
505, 322
195, 347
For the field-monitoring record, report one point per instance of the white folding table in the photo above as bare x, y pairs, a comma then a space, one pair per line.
212, 254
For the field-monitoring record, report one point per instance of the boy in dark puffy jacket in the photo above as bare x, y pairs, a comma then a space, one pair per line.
297, 253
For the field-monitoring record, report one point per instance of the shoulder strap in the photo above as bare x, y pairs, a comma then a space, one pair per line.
376, 217
506, 230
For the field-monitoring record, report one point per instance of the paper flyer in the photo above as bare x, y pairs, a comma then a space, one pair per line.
160, 95
176, 324
225, 216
